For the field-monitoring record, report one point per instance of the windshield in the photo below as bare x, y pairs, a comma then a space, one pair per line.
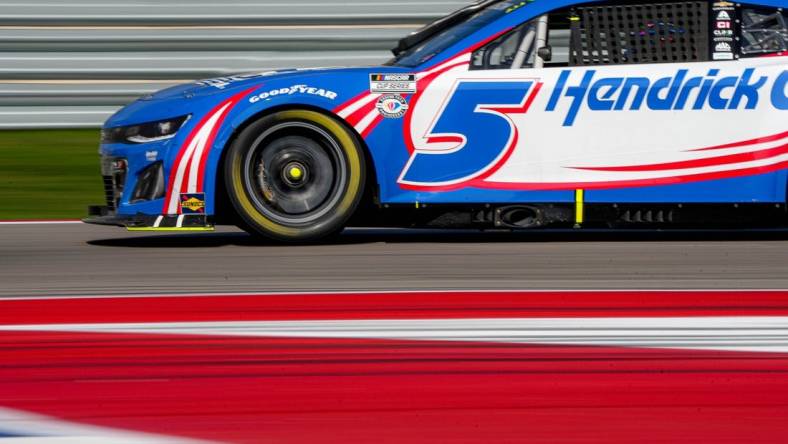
426, 50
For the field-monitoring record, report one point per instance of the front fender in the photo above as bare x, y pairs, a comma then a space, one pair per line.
259, 101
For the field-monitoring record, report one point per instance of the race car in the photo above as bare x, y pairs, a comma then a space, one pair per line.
505, 114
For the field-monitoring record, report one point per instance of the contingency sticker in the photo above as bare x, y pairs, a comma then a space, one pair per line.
193, 203
392, 83
724, 45
392, 106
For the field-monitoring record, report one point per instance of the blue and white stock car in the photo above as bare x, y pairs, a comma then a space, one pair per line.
505, 114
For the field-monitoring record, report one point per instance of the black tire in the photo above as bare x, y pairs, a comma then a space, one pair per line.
295, 176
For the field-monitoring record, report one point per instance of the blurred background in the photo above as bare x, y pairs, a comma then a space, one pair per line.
67, 66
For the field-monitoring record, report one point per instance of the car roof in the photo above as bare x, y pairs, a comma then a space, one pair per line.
533, 8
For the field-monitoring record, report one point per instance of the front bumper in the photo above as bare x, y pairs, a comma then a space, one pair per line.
133, 179
104, 215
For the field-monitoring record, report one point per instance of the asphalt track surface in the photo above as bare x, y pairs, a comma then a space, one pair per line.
78, 259
390, 365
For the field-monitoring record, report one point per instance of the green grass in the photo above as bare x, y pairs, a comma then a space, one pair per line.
49, 174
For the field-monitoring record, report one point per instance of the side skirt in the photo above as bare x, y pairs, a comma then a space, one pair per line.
578, 215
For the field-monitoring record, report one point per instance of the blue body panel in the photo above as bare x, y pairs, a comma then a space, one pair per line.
328, 90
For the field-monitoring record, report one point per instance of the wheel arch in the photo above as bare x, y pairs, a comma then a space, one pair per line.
224, 213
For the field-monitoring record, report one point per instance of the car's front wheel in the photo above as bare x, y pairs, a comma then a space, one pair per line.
295, 175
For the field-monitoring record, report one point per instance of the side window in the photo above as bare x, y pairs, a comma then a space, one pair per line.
520, 47
763, 31
503, 51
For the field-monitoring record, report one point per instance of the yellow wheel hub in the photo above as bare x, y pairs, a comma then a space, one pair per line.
295, 173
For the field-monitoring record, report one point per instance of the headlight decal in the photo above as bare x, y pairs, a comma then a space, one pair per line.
186, 174
144, 132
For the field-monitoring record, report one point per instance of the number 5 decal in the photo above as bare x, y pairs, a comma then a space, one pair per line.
477, 121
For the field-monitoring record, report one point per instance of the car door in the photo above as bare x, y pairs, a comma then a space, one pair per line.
632, 102
470, 119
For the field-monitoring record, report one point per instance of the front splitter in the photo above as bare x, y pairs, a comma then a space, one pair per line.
99, 215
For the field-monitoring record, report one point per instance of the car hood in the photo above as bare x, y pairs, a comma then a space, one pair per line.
180, 99
218, 85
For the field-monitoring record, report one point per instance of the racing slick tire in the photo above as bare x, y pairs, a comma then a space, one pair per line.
295, 175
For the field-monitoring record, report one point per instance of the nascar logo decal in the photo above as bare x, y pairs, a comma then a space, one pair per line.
188, 171
362, 112
393, 83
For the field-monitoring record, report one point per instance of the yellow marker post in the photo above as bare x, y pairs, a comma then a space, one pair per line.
579, 208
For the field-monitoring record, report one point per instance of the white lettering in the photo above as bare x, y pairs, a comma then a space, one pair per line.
295, 89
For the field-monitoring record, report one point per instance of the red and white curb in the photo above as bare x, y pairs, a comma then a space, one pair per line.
726, 333
18, 427
536, 367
